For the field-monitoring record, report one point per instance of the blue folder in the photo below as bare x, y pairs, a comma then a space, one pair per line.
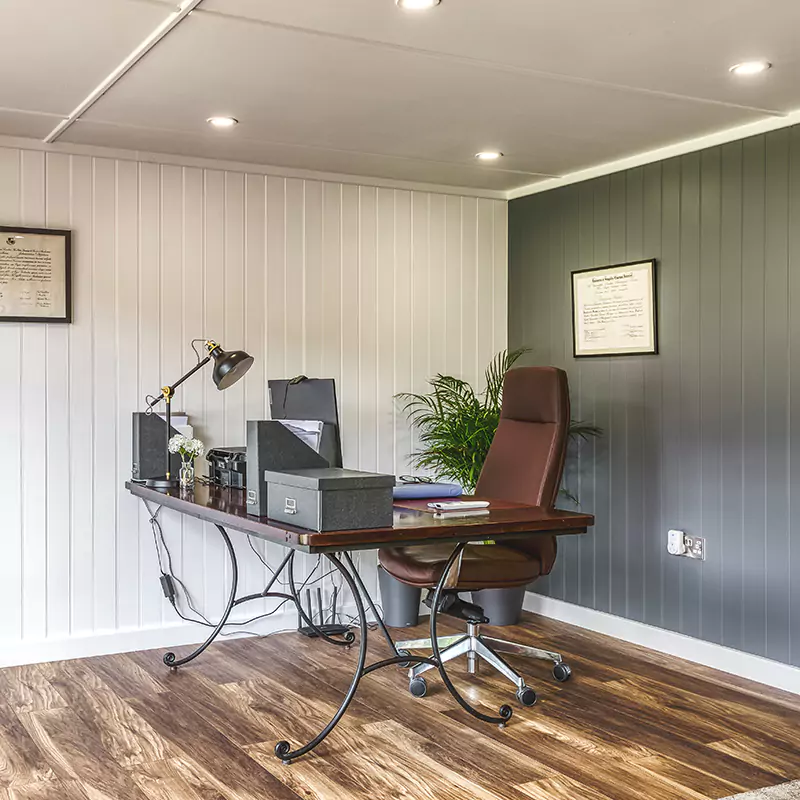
419, 491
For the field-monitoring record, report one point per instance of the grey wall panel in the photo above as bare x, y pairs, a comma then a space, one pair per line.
793, 294
652, 435
670, 348
710, 344
704, 436
753, 395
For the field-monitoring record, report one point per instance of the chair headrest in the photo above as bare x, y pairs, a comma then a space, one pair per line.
535, 394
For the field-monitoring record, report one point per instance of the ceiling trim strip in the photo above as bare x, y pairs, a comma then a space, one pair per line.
660, 154
164, 29
198, 162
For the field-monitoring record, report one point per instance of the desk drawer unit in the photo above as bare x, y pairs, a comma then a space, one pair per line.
330, 499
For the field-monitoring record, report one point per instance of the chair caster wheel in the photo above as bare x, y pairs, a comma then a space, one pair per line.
404, 664
418, 687
526, 696
562, 672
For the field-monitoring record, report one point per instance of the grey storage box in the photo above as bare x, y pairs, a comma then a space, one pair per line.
330, 499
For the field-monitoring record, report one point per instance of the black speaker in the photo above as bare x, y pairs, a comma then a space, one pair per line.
272, 446
149, 448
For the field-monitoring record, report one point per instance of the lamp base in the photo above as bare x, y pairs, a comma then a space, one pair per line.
161, 483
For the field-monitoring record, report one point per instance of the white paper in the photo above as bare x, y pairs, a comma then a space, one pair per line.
307, 430
32, 276
613, 310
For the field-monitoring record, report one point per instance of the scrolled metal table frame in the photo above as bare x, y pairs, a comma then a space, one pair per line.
345, 566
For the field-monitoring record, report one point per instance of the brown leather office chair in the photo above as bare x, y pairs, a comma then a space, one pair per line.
524, 465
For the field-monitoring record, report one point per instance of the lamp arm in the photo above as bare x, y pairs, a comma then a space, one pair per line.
168, 391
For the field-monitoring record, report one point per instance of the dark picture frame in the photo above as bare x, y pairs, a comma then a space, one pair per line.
62, 314
651, 308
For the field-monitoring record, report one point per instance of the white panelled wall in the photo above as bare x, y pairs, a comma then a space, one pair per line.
378, 288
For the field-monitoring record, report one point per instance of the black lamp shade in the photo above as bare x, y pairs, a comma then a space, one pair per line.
229, 367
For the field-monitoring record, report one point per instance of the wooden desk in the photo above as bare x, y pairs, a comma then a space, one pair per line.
412, 525
226, 508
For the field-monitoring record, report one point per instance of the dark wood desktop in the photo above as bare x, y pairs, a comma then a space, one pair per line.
412, 524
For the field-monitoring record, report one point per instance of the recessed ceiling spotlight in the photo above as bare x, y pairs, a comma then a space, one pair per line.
222, 122
488, 155
750, 67
417, 5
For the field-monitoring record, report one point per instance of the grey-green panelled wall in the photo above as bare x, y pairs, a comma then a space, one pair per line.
705, 436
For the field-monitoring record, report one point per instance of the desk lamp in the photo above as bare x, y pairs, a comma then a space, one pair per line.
229, 367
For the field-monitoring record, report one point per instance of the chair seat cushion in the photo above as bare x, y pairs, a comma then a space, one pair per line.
482, 566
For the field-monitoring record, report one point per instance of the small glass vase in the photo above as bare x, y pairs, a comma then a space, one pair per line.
186, 474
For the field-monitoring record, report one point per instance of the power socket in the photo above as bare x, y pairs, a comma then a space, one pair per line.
695, 548
681, 544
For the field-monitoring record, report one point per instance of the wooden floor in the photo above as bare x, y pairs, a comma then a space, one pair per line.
632, 724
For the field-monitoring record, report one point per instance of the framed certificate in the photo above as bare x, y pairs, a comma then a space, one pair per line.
35, 275
614, 310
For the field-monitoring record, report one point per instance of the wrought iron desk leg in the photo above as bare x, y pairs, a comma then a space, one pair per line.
505, 711
170, 659
283, 750
371, 603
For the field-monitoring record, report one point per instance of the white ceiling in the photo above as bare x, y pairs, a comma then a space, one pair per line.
362, 87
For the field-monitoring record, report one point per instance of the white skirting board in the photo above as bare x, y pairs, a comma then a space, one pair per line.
170, 634
725, 659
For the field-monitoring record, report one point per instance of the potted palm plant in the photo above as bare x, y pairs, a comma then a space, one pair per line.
457, 424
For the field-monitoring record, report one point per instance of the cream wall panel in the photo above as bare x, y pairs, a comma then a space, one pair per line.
376, 287
10, 430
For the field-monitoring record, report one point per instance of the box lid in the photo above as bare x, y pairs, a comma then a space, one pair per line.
329, 479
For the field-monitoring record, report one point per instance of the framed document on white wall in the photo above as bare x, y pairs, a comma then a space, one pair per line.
35, 274
614, 310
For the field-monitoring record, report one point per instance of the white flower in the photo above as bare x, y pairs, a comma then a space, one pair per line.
177, 443
188, 448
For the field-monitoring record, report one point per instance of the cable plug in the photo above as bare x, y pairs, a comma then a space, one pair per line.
168, 587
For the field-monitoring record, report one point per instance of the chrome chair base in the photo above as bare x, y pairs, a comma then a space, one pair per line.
476, 647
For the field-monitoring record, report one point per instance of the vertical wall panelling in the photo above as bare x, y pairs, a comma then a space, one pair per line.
691, 433
468, 281
193, 391
793, 296
701, 437
58, 444
652, 433
753, 392
82, 398
33, 383
126, 303
617, 415
402, 348
777, 368
710, 355
500, 275
10, 431
669, 356
377, 288
732, 533
150, 372
385, 296
634, 402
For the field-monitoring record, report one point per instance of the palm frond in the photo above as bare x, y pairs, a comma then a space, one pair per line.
496, 373
456, 425
584, 430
